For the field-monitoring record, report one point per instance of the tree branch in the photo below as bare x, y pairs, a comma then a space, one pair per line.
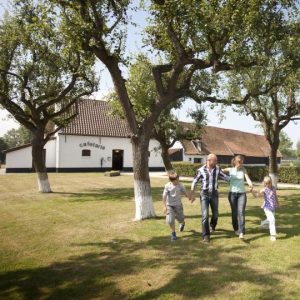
176, 42
12, 74
62, 95
157, 72
59, 127
212, 99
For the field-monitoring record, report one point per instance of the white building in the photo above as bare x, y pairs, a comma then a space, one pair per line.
225, 143
95, 140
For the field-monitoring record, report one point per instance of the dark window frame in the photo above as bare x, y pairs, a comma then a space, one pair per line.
86, 153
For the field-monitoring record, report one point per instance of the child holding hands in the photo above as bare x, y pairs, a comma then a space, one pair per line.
270, 204
172, 203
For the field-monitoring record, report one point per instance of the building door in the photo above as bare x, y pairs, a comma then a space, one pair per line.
117, 159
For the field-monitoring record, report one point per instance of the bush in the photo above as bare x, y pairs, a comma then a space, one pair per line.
287, 174
112, 173
185, 168
257, 173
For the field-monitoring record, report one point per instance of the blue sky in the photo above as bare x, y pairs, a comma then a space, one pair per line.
232, 120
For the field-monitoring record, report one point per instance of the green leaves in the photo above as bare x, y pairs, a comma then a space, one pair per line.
17, 137
41, 68
238, 32
96, 24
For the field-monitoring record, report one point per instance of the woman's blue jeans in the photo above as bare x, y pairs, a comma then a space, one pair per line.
238, 203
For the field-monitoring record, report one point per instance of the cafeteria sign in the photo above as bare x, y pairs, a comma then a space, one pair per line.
90, 144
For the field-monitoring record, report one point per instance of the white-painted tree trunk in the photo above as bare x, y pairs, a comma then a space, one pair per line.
38, 161
144, 208
274, 178
273, 164
43, 183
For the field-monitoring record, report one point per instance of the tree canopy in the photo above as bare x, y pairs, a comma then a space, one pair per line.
3, 146
43, 74
17, 137
286, 145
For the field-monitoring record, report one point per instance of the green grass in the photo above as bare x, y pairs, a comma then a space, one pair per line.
80, 242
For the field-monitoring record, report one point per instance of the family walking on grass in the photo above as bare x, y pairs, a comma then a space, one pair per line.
209, 174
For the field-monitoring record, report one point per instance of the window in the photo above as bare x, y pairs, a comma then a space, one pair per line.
86, 152
197, 144
197, 160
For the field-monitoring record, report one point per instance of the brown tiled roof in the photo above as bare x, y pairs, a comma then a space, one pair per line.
223, 141
173, 150
16, 148
96, 118
22, 147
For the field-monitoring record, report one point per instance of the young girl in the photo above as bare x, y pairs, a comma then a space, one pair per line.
270, 204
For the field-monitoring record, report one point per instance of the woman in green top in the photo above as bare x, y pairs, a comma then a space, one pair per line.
237, 194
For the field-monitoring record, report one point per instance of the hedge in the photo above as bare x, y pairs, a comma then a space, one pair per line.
112, 173
287, 174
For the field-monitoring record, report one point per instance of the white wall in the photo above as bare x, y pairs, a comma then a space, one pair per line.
19, 158
190, 158
66, 152
155, 159
177, 145
71, 146
50, 154
22, 158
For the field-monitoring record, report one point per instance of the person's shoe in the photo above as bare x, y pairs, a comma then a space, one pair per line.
273, 238
241, 236
237, 232
211, 230
173, 236
181, 227
206, 239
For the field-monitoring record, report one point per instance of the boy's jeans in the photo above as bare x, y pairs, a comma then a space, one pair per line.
209, 199
238, 204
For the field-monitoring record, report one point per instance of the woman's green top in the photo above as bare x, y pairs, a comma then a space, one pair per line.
237, 180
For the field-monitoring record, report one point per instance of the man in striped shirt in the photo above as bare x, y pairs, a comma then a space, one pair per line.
209, 175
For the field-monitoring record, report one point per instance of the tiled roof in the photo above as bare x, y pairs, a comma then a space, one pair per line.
173, 150
227, 142
21, 147
96, 118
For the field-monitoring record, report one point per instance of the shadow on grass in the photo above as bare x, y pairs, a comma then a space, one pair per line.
197, 271
287, 218
113, 194
107, 194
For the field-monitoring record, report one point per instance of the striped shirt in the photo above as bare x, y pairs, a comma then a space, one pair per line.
209, 178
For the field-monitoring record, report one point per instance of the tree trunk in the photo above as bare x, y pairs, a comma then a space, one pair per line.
166, 158
273, 166
38, 160
144, 208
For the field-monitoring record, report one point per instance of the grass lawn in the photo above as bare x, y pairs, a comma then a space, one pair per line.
80, 242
